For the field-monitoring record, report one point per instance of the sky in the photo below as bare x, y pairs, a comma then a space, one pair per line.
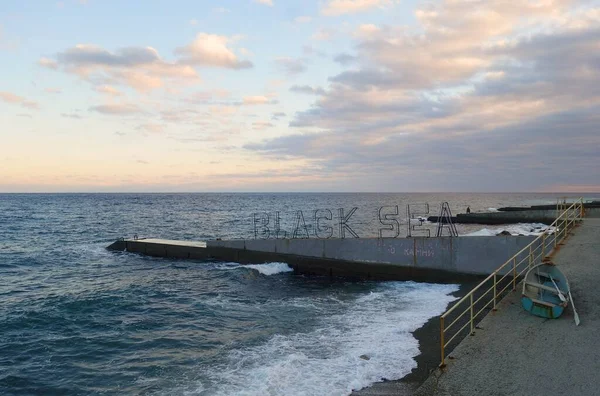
299, 95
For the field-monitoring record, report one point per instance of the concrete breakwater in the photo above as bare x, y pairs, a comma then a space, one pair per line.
545, 214
429, 259
587, 205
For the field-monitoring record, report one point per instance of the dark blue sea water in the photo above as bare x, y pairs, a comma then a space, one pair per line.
78, 319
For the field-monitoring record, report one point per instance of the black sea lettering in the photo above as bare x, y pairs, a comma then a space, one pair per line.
327, 230
300, 223
344, 223
390, 223
261, 223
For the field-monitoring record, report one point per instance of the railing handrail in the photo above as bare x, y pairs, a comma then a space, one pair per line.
576, 206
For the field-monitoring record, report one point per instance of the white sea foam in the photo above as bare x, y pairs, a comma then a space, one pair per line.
265, 269
327, 360
270, 268
492, 210
516, 229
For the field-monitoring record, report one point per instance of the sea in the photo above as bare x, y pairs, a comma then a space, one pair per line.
77, 319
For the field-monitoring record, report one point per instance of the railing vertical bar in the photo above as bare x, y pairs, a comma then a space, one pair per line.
472, 327
495, 295
543, 246
442, 341
514, 280
566, 218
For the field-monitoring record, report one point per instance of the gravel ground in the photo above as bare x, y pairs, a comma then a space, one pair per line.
516, 353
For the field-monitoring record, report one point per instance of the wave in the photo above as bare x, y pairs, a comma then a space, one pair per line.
265, 269
270, 268
371, 339
516, 229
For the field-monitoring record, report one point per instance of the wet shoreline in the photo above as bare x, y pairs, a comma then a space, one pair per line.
428, 337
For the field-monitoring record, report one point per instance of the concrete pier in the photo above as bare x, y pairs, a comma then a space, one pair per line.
443, 259
516, 353
497, 218
545, 214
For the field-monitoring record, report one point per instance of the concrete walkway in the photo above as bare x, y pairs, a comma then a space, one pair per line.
516, 353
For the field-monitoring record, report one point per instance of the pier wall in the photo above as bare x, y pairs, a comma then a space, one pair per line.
465, 255
428, 259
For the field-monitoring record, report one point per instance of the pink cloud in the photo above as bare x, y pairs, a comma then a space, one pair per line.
340, 7
11, 98
212, 50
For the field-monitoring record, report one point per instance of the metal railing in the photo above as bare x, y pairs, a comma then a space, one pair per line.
481, 299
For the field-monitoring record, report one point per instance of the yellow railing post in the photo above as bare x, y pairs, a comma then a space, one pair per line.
514, 280
495, 296
565, 220
472, 327
442, 341
543, 246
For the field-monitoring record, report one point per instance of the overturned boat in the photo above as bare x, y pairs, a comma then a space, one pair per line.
545, 291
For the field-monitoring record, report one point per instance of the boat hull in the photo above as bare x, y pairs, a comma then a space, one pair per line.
543, 287
542, 310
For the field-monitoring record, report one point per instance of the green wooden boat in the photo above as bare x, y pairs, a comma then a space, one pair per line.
545, 291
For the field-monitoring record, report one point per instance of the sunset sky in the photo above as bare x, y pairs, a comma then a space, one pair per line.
299, 95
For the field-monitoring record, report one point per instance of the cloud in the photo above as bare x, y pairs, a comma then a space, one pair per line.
307, 89
11, 98
291, 66
71, 115
255, 100
474, 94
204, 97
345, 59
265, 2
141, 68
277, 115
212, 50
151, 128
117, 109
48, 63
86, 55
261, 125
221, 10
223, 110
53, 90
367, 30
193, 22
108, 90
340, 7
